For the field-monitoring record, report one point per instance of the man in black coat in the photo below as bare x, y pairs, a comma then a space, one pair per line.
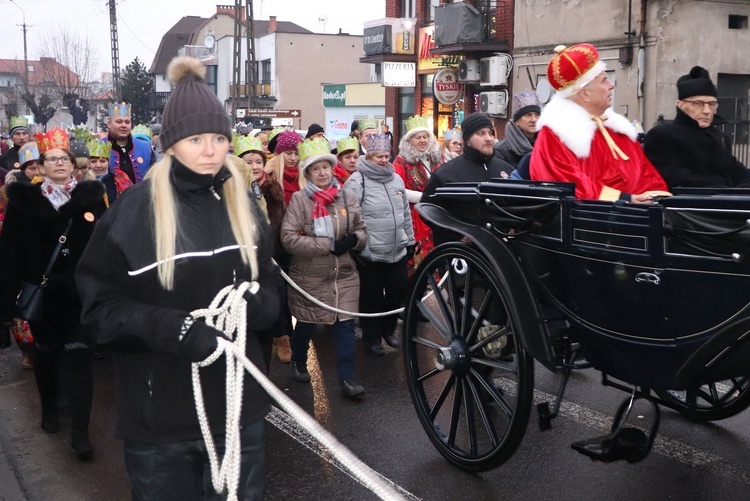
20, 135
476, 164
691, 151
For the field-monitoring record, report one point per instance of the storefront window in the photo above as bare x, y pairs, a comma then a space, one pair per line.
406, 106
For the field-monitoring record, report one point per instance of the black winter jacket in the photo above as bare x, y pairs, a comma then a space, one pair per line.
689, 156
129, 311
31, 230
471, 166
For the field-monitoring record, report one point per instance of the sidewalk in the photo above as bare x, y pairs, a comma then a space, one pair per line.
10, 488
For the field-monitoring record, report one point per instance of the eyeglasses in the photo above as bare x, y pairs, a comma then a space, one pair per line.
55, 160
713, 105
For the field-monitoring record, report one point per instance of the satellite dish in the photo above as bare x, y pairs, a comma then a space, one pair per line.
544, 91
209, 41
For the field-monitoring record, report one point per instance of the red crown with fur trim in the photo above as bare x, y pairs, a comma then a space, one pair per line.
570, 64
55, 138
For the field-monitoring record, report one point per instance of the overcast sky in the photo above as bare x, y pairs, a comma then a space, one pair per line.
142, 23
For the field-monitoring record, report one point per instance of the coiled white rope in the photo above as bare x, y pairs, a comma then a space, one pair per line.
228, 313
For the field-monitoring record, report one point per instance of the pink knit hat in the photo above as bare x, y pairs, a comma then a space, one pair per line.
287, 141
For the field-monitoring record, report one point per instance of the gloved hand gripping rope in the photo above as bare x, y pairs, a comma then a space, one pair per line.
228, 313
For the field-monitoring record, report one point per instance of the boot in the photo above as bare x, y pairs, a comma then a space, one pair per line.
80, 394
283, 349
45, 373
299, 372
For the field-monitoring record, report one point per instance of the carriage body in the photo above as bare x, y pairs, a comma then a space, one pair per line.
656, 296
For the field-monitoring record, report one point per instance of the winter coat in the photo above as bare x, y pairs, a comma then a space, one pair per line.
334, 280
514, 146
31, 231
471, 166
689, 156
129, 311
386, 211
273, 194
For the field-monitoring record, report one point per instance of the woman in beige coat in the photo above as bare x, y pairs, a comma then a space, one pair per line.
321, 226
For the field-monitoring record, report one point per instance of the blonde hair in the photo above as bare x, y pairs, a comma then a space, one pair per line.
275, 169
166, 218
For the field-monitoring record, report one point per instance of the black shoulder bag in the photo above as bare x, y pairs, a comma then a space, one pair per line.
29, 301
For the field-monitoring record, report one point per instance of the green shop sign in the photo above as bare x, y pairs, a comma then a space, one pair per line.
334, 95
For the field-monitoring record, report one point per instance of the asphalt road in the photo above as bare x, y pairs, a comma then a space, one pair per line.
689, 460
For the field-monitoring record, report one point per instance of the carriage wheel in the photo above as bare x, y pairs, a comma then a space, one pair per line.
711, 401
471, 382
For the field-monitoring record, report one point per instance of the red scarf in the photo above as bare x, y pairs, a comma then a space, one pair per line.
323, 198
341, 174
291, 183
322, 222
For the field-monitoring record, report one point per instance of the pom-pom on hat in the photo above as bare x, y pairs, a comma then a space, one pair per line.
55, 138
98, 148
417, 124
573, 67
311, 151
696, 83
192, 107
28, 153
19, 123
287, 141
346, 145
381, 142
525, 102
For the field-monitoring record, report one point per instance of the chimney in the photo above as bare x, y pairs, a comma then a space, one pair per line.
272, 24
228, 10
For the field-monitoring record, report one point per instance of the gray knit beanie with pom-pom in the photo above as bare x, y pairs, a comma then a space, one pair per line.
192, 108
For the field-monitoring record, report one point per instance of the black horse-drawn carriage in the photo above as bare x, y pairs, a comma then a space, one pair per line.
656, 297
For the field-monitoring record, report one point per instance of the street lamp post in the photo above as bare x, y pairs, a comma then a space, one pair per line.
25, 53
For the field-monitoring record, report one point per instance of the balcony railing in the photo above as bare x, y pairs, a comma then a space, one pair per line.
261, 89
157, 100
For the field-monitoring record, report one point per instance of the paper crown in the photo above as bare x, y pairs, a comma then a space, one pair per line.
28, 152
381, 142
142, 129
18, 122
525, 99
98, 148
245, 144
417, 122
55, 138
347, 144
119, 110
452, 134
311, 147
367, 123
275, 132
573, 67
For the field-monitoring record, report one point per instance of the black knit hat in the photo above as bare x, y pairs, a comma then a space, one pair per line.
696, 83
314, 129
474, 123
192, 108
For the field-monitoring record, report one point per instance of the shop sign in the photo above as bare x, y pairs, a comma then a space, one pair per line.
446, 87
334, 95
427, 61
399, 74
377, 40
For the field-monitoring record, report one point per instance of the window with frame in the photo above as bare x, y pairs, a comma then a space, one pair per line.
408, 8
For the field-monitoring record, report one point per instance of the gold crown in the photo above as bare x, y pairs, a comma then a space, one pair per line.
346, 144
55, 138
99, 149
310, 147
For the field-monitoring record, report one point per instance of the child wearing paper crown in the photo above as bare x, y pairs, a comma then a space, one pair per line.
115, 180
347, 153
321, 226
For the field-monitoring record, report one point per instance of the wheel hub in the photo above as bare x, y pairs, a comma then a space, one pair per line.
454, 357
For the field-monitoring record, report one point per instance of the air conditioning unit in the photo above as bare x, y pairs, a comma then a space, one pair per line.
494, 70
494, 103
468, 71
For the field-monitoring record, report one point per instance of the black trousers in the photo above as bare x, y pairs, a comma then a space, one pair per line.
180, 471
382, 287
79, 381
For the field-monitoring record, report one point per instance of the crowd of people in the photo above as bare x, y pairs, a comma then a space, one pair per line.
127, 235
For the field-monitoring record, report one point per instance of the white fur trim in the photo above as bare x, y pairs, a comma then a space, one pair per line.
409, 134
573, 124
584, 80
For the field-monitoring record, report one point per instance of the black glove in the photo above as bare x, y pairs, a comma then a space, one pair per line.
199, 341
343, 245
410, 251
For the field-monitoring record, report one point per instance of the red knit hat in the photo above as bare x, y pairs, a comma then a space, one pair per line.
287, 141
573, 67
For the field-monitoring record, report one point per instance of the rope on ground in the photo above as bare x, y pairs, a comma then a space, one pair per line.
350, 313
228, 313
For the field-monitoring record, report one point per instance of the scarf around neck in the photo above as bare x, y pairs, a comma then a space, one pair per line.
517, 140
291, 179
321, 218
58, 194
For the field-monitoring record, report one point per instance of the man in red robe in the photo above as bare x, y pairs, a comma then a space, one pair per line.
583, 141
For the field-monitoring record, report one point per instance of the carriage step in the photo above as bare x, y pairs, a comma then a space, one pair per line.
629, 444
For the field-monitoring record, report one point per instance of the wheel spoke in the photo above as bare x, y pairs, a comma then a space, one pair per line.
466, 312
427, 375
502, 331
455, 414
495, 364
443, 395
441, 327
426, 342
471, 428
483, 412
496, 396
441, 302
454, 298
